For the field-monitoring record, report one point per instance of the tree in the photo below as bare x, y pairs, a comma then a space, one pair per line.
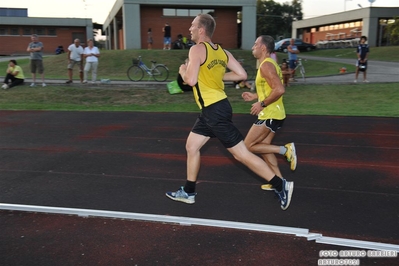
275, 19
392, 31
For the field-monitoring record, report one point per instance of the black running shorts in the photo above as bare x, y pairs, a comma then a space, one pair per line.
215, 121
272, 124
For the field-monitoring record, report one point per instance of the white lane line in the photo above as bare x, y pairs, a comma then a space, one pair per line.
187, 221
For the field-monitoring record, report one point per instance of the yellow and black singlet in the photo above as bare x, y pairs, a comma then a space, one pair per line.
210, 86
276, 109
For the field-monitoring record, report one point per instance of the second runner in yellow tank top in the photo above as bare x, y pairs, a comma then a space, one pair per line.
276, 109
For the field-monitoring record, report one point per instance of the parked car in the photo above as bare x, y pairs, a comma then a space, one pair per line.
281, 46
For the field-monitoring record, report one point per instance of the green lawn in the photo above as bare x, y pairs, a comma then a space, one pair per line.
385, 53
114, 63
349, 99
346, 100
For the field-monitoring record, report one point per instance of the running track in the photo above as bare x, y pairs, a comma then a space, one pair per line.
346, 186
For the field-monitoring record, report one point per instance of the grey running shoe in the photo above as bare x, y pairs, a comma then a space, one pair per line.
182, 196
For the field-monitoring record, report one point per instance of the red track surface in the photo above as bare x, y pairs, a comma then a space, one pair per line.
346, 185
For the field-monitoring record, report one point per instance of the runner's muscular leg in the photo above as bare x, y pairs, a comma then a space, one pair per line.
258, 140
193, 146
252, 161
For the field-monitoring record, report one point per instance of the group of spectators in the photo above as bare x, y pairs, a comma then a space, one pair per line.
76, 55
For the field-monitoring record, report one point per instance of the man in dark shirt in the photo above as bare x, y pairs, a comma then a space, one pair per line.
362, 54
167, 36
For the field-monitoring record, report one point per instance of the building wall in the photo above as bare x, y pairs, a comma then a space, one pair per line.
338, 34
369, 18
134, 17
152, 17
17, 44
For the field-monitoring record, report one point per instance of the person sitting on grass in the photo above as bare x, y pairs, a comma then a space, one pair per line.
15, 75
286, 73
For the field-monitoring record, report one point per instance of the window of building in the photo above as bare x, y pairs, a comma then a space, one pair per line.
208, 11
171, 12
27, 31
3, 31
39, 31
194, 12
14, 31
182, 12
51, 32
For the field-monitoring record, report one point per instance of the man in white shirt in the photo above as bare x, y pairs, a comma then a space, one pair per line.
75, 57
91, 53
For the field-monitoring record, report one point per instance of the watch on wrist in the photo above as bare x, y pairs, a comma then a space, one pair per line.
262, 103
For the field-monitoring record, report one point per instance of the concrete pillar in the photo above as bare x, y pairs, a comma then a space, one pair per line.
109, 46
115, 31
370, 29
131, 26
248, 35
89, 30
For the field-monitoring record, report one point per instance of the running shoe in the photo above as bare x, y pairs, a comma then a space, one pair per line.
32, 85
182, 196
285, 194
290, 154
267, 187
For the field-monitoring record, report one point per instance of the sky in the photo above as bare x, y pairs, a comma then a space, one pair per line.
98, 10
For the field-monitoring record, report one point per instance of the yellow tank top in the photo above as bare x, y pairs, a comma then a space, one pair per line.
20, 74
210, 86
276, 109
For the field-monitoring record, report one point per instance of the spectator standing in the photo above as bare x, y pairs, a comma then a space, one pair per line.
14, 75
75, 57
36, 59
91, 53
167, 31
362, 52
286, 73
149, 39
292, 57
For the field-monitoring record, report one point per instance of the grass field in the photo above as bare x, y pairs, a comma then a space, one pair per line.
385, 53
351, 99
114, 63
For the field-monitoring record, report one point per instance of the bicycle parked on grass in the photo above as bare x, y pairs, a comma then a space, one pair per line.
301, 68
158, 72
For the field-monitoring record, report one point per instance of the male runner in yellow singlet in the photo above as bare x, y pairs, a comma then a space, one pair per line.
205, 71
269, 108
